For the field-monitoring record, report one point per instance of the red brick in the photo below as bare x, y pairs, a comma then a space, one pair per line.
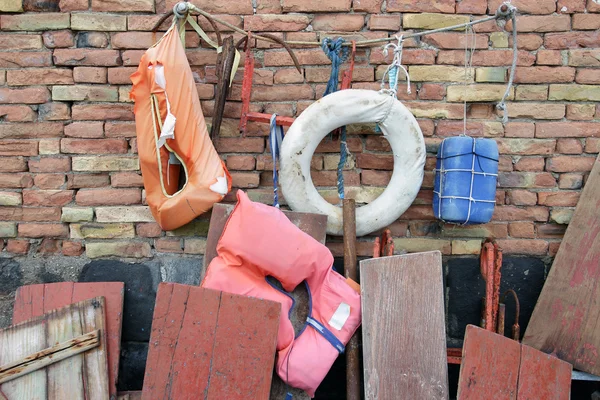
454, 128
87, 57
471, 7
377, 143
375, 178
521, 229
561, 198
245, 179
89, 74
20, 42
43, 230
340, 22
133, 57
73, 5
551, 231
119, 129
18, 147
144, 40
569, 146
220, 6
50, 164
276, 22
241, 145
523, 246
371, 6
444, 6
570, 181
535, 111
525, 180
549, 57
123, 6
569, 164
47, 198
17, 246
241, 163
84, 129
39, 76
12, 180
527, 41
126, 179
418, 213
530, 164
505, 164
76, 181
333, 146
592, 145
522, 198
120, 75
432, 91
373, 161
486, 58
593, 6
537, 23
92, 39
586, 22
572, 40
25, 59
102, 112
570, 7
277, 58
93, 146
544, 74
108, 197
512, 213
588, 76
315, 5
148, 229
409, 57
455, 40
54, 111
49, 181
288, 75
567, 129
384, 22
72, 249
30, 214
169, 245
49, 246
17, 113
57, 39
526, 6
32, 95
553, 248
13, 164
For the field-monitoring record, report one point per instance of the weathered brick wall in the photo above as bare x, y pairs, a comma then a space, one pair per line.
69, 175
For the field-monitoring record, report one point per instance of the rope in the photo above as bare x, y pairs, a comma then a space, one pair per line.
512, 12
392, 70
337, 54
275, 139
468, 71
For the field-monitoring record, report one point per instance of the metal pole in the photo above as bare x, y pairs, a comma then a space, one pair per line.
352, 352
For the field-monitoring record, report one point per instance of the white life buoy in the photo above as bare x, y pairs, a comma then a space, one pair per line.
346, 107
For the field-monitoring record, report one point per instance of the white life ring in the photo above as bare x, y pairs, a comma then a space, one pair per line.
345, 107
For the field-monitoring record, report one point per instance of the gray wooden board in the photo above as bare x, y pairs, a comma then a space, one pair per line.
82, 376
403, 326
313, 224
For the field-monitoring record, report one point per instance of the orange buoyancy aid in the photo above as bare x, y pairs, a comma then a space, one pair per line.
172, 133
260, 241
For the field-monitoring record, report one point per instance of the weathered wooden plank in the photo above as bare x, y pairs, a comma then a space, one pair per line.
543, 376
244, 349
566, 318
497, 367
66, 379
41, 359
404, 335
490, 366
34, 300
313, 224
204, 341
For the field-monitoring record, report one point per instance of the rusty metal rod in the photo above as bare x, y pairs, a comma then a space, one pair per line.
352, 351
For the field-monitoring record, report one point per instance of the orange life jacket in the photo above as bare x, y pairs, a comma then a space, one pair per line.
172, 135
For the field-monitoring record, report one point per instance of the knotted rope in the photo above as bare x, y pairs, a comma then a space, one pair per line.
511, 12
337, 53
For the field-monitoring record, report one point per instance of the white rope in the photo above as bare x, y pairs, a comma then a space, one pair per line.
392, 70
512, 13
469, 33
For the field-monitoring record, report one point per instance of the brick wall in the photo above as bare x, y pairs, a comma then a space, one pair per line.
69, 175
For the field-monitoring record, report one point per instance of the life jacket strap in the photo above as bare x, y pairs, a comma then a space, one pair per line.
326, 333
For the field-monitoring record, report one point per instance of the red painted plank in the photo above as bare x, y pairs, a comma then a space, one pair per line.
565, 319
194, 352
244, 350
543, 376
496, 367
490, 366
206, 342
35, 300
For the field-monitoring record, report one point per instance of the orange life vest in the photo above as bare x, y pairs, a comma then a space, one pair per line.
172, 136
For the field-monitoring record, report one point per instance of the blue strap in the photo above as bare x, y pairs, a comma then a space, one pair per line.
288, 396
275, 137
326, 333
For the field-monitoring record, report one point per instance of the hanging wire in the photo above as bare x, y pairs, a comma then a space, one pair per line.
512, 13
468, 71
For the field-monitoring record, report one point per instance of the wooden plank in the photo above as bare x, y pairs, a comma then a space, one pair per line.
403, 324
205, 341
313, 224
500, 368
543, 376
566, 318
34, 300
49, 356
66, 379
490, 366
244, 349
